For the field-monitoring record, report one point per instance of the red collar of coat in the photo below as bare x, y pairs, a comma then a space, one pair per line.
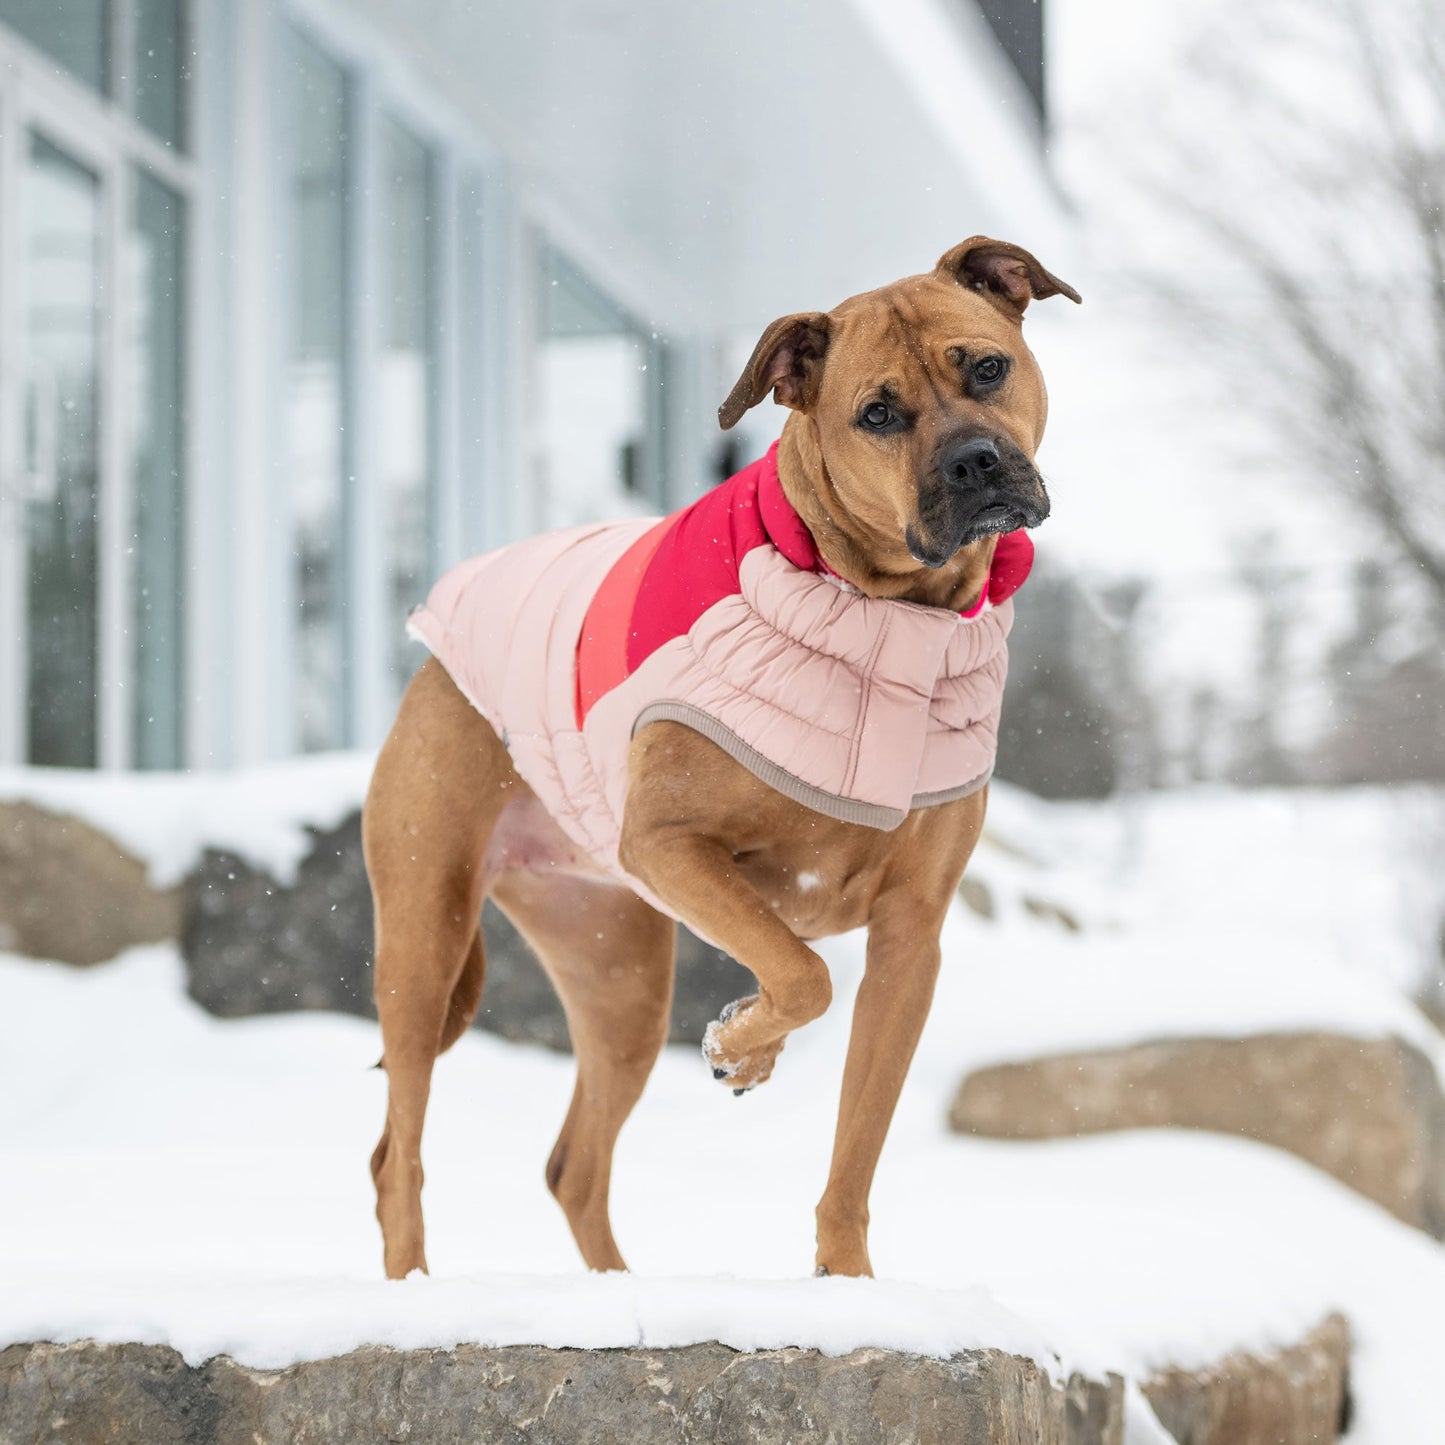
689, 561
1013, 556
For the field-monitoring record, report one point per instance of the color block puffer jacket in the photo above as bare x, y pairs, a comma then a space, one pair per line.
722, 617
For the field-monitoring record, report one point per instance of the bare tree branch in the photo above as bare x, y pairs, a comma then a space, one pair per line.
1344, 281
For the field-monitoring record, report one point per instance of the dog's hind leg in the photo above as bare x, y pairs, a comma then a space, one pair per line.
610, 957
441, 780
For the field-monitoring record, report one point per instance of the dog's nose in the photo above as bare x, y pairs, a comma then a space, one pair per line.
970, 463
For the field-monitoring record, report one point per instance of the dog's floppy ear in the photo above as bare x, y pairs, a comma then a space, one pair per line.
787, 361
1002, 271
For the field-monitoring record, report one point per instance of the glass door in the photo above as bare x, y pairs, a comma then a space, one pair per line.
61, 257
95, 186
55, 199
93, 279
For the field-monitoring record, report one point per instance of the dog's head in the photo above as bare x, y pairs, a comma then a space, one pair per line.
921, 400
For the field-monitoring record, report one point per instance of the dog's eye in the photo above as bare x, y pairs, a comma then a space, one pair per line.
877, 415
990, 370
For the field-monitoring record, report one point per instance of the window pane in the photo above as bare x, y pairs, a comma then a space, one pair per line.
154, 371
62, 453
158, 68
316, 390
74, 32
472, 365
597, 377
404, 392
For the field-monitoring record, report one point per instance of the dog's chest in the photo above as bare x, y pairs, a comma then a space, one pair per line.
816, 889
819, 882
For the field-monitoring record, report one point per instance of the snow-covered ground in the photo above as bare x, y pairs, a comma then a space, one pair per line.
171, 1177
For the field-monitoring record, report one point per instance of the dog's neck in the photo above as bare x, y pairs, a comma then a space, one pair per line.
855, 550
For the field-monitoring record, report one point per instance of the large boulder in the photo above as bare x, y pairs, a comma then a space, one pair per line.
1296, 1396
70, 893
253, 944
1368, 1111
85, 1393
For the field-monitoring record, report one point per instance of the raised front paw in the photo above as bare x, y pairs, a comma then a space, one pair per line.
737, 1048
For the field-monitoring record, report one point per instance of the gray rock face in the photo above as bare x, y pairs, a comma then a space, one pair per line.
86, 1393
252, 945
1294, 1397
1368, 1111
69, 892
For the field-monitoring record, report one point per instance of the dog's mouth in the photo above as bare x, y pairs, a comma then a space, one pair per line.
940, 542
1000, 517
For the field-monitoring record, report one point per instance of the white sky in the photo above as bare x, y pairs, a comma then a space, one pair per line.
1096, 44
1154, 467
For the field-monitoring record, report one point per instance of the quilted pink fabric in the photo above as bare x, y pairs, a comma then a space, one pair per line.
858, 707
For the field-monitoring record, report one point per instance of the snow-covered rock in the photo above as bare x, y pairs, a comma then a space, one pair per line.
695, 1393
667, 1396
71, 893
1368, 1111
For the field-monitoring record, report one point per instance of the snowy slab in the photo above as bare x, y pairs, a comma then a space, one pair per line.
269, 1321
1204, 914
167, 819
585, 1397
203, 1184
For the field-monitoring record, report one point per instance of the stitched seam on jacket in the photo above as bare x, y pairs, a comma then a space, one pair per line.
721, 677
865, 699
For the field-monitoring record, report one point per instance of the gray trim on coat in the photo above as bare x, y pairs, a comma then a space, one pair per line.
831, 805
952, 795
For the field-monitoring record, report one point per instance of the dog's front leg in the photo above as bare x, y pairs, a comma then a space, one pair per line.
694, 875
682, 849
892, 1006
888, 1017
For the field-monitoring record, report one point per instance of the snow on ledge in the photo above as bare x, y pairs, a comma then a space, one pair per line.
229, 1162
168, 819
1116, 990
270, 1323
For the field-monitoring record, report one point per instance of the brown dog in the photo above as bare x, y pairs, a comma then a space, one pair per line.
916, 412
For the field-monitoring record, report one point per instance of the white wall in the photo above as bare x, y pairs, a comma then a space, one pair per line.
711, 165
719, 164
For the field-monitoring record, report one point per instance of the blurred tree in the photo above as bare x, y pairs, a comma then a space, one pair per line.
1389, 697
1076, 722
1262, 759
1316, 198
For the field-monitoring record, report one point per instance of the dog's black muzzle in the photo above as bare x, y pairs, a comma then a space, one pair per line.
980, 486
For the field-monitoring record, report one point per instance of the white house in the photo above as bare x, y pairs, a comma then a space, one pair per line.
301, 300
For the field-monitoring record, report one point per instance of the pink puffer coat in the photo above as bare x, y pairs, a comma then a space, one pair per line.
723, 617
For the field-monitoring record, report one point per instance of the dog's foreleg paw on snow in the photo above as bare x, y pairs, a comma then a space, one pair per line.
734, 1059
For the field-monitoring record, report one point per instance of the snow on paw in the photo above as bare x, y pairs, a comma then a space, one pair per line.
754, 1069
714, 1048
733, 1057
712, 1051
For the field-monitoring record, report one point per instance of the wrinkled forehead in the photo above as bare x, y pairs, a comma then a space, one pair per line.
911, 327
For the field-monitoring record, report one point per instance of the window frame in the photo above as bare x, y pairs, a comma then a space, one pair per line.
459, 521
37, 94
546, 256
545, 226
